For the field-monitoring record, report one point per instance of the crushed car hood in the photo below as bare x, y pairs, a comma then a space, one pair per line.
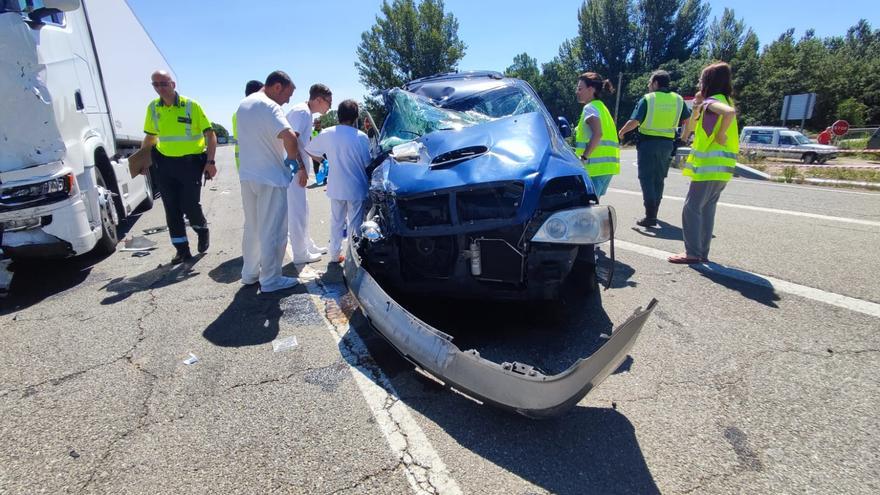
518, 148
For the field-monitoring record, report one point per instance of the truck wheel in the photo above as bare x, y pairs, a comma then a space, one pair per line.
808, 158
109, 237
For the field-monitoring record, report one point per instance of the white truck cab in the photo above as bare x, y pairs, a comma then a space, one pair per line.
74, 85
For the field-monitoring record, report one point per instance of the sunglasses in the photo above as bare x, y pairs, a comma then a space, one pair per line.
161, 84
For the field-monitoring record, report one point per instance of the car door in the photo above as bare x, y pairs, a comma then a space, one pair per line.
787, 147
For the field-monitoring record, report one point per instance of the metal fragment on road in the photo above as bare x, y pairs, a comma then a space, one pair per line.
192, 359
284, 344
155, 230
138, 243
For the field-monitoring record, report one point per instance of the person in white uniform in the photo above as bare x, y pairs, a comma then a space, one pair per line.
268, 154
348, 152
302, 247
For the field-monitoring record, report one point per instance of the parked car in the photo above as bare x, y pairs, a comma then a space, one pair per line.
781, 142
475, 194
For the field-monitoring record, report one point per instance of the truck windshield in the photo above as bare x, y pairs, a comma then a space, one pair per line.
413, 116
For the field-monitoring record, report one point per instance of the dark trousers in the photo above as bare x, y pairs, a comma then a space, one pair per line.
654, 156
180, 182
698, 216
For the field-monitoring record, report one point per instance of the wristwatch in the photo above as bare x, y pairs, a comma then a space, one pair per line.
210, 162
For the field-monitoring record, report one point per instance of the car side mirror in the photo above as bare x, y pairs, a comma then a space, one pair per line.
564, 127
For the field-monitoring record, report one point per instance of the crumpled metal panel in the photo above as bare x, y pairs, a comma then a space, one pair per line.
30, 134
513, 386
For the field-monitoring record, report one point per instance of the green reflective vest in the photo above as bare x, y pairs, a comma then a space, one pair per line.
663, 114
235, 136
180, 127
708, 159
605, 159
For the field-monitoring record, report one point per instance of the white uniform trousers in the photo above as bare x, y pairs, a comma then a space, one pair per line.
265, 235
345, 217
298, 221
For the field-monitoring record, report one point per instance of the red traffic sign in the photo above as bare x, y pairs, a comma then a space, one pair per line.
840, 127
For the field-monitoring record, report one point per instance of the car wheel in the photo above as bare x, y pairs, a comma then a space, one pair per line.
109, 236
822, 159
808, 158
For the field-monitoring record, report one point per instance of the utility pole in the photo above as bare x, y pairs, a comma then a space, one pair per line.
617, 103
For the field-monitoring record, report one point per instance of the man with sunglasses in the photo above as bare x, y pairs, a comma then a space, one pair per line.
183, 144
303, 248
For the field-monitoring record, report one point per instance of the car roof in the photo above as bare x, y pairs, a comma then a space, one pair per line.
453, 86
764, 128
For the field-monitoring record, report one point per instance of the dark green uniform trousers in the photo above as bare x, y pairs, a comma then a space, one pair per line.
654, 156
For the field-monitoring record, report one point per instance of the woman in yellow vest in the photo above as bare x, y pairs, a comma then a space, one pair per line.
596, 135
711, 162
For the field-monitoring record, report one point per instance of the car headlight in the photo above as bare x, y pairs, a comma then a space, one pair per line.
65, 184
589, 225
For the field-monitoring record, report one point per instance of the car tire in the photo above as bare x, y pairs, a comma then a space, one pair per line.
821, 160
109, 235
808, 158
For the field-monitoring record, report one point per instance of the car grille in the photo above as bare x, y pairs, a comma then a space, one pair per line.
472, 204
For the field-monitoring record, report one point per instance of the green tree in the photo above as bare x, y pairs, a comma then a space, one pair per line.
726, 36
408, 40
219, 130
526, 68
605, 36
667, 30
558, 81
852, 111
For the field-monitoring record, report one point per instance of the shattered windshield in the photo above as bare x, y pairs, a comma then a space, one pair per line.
412, 116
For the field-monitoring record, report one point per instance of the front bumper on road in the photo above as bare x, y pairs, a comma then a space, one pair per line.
513, 386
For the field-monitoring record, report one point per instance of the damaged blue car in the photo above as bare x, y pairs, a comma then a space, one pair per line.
475, 194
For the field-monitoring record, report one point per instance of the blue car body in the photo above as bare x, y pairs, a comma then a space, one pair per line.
486, 166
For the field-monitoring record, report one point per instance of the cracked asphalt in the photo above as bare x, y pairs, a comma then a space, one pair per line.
731, 388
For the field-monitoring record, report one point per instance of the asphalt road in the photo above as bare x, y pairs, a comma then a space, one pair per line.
756, 374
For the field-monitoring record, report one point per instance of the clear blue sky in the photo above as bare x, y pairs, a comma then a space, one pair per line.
215, 47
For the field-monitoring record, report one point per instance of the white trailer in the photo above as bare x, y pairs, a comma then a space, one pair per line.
74, 86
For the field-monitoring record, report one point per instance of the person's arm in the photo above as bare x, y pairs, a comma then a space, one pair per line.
630, 125
727, 113
211, 151
291, 146
150, 140
596, 129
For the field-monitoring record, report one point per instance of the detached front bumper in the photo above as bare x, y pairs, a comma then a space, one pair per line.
513, 386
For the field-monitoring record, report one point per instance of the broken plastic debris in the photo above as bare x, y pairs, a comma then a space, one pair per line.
139, 243
279, 345
155, 230
213, 188
140, 254
192, 359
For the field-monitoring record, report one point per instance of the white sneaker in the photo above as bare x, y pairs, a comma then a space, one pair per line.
314, 248
306, 258
281, 284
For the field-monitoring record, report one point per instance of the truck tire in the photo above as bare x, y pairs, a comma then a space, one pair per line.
808, 158
109, 236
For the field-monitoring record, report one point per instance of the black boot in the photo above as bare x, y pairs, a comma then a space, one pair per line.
204, 239
650, 219
182, 255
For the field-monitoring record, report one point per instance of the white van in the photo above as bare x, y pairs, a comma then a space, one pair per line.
781, 142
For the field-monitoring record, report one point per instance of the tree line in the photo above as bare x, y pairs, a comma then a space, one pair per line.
632, 38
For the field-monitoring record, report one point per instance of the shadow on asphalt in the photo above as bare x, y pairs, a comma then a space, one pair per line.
622, 274
666, 231
38, 279
748, 284
161, 276
587, 450
252, 318
227, 272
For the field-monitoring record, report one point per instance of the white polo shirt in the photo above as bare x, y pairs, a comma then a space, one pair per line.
300, 119
261, 154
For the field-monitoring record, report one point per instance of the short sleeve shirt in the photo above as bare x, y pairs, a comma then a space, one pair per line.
300, 119
348, 155
261, 154
173, 121
589, 111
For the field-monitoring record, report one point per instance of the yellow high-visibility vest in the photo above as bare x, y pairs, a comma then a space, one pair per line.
663, 114
708, 159
605, 159
179, 127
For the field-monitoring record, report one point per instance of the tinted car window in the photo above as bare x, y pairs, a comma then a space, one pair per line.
786, 140
761, 138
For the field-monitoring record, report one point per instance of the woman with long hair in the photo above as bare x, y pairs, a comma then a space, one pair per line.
711, 162
595, 136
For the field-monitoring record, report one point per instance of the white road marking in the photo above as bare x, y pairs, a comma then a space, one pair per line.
425, 471
841, 301
857, 221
